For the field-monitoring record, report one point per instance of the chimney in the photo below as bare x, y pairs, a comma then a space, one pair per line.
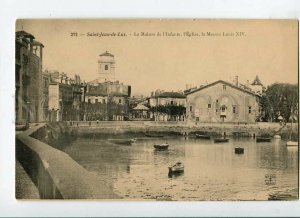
236, 80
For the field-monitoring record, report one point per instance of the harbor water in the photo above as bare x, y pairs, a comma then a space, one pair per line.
212, 171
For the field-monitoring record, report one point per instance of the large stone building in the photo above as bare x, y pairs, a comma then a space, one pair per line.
29, 81
223, 102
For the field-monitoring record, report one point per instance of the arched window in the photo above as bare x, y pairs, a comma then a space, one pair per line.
106, 67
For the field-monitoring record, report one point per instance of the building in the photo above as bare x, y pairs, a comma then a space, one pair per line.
29, 80
257, 87
167, 106
107, 101
105, 98
223, 102
65, 97
106, 67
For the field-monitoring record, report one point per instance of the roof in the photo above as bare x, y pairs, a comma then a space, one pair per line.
97, 91
225, 83
140, 107
37, 43
256, 81
106, 54
25, 34
171, 95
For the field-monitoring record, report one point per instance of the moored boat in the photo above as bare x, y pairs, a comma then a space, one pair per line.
221, 140
133, 140
154, 135
239, 150
122, 141
162, 146
263, 139
176, 168
199, 136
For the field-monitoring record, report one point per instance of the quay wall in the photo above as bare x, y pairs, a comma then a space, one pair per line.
94, 128
56, 174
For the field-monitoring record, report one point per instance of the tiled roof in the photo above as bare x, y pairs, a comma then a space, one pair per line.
140, 107
25, 34
225, 83
171, 95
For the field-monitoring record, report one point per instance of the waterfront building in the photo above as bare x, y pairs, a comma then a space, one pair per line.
139, 112
167, 106
222, 101
29, 80
65, 97
107, 101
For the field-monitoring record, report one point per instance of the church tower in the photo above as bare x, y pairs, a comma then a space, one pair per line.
106, 67
257, 86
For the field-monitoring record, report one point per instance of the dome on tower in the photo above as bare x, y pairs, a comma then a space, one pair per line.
106, 54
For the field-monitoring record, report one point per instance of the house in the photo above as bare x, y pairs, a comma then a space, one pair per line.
167, 106
222, 101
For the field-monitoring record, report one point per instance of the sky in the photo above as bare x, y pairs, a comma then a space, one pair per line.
221, 50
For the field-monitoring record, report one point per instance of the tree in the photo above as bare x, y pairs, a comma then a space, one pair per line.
280, 100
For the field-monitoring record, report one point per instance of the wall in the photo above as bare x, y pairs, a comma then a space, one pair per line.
55, 173
216, 96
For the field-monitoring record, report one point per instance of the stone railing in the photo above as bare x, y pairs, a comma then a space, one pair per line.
56, 174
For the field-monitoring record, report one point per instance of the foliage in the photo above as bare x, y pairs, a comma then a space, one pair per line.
280, 99
172, 110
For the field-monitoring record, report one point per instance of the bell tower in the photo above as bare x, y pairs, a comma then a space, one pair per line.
106, 67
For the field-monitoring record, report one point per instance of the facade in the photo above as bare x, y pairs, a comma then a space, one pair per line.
29, 80
65, 97
107, 101
106, 67
222, 102
167, 106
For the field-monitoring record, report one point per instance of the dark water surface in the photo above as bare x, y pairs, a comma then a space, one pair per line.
212, 171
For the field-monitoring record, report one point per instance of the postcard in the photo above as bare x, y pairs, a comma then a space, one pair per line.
157, 109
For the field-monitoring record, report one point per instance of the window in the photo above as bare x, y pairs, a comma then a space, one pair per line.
89, 100
120, 101
249, 109
106, 67
209, 105
172, 102
224, 87
234, 109
217, 100
103, 101
216, 110
96, 100
191, 108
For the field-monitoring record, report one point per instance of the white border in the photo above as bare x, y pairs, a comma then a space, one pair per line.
10, 10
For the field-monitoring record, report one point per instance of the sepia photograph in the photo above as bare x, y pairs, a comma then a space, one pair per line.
157, 109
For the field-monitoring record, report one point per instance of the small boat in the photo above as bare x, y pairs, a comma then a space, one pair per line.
163, 146
221, 140
133, 140
176, 168
239, 150
199, 136
122, 141
263, 139
291, 143
153, 136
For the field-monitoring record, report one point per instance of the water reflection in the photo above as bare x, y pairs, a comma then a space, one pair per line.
212, 171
